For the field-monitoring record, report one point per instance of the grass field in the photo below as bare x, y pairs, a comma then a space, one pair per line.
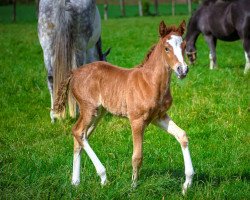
212, 106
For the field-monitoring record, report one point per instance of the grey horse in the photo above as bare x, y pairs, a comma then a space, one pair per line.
69, 32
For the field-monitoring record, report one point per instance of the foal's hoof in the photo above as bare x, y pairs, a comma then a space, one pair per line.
185, 187
134, 184
104, 180
75, 182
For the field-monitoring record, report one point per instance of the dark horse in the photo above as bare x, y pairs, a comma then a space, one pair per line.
220, 19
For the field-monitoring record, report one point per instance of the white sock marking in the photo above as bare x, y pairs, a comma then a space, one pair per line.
212, 64
189, 171
100, 169
247, 66
76, 168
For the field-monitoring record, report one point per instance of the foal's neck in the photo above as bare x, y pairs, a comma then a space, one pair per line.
161, 72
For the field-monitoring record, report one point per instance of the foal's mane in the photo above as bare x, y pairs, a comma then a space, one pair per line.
147, 55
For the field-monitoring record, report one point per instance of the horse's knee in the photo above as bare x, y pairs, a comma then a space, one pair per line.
77, 133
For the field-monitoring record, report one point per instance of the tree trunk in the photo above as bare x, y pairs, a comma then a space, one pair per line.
37, 7
140, 8
173, 7
14, 11
156, 8
122, 4
189, 7
105, 9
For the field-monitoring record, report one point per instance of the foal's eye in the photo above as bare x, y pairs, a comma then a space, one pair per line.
167, 49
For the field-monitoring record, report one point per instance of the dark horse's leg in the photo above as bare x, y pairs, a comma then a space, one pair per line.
211, 41
246, 45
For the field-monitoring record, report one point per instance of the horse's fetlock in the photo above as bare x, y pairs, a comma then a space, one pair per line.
183, 139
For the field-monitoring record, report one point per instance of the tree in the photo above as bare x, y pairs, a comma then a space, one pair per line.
14, 11
156, 7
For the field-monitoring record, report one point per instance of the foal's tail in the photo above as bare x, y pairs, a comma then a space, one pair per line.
61, 100
63, 45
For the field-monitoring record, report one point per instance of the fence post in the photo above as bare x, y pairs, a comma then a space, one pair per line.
173, 7
122, 4
140, 8
106, 10
189, 7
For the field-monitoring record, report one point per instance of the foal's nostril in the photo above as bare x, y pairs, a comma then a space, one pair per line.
179, 69
187, 70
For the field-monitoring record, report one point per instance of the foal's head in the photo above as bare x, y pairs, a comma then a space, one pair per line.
173, 47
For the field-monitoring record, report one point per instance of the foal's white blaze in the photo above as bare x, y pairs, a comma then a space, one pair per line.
100, 169
176, 41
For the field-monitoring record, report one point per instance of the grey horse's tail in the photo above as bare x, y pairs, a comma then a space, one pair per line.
64, 57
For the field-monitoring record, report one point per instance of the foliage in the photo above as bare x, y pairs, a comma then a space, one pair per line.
146, 7
212, 106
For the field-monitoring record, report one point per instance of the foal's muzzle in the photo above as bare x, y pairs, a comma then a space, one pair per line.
181, 71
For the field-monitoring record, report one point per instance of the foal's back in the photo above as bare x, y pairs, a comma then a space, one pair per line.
123, 92
102, 84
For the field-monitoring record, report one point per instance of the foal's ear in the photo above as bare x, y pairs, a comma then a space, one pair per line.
162, 29
182, 27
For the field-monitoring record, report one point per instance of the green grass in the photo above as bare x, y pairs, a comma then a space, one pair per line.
212, 106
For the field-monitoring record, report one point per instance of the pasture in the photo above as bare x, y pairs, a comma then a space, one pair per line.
212, 106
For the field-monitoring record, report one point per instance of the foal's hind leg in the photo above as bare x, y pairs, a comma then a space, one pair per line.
168, 125
80, 131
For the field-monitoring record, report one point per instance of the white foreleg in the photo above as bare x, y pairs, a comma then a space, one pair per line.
247, 66
100, 169
168, 125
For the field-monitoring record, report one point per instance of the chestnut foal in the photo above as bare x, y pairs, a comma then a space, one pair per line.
141, 94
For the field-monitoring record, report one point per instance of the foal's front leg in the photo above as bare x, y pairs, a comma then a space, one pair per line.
168, 125
137, 134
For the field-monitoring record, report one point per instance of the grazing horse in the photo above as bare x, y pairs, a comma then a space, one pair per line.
223, 20
142, 94
69, 33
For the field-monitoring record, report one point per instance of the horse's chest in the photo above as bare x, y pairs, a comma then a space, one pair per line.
162, 105
165, 103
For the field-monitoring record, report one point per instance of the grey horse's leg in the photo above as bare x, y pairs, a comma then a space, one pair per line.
48, 64
212, 55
